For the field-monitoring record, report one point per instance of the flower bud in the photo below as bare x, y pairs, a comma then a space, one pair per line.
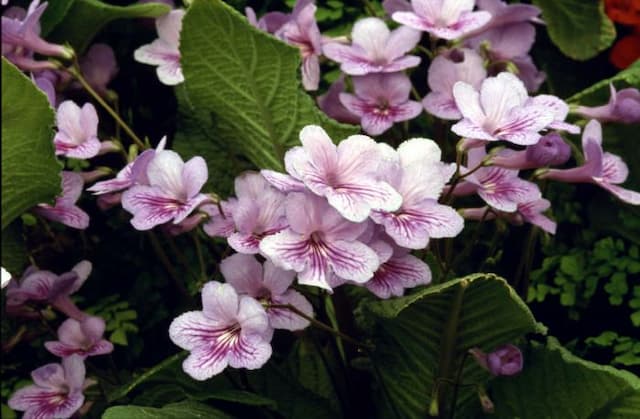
551, 150
506, 360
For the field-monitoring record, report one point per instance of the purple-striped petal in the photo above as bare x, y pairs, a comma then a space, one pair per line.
286, 319
397, 274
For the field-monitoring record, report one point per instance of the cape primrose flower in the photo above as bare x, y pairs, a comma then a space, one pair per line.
172, 193
603, 169
77, 135
164, 51
65, 210
375, 49
446, 19
80, 337
230, 330
501, 110
56, 392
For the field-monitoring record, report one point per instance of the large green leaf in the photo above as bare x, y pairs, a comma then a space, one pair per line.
424, 336
85, 18
30, 172
245, 85
14, 254
556, 384
54, 13
598, 94
579, 28
182, 410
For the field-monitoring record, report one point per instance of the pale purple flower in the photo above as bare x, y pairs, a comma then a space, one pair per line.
77, 135
501, 110
230, 330
331, 105
506, 360
527, 212
529, 73
603, 169
399, 270
56, 392
419, 177
270, 22
447, 69
558, 108
347, 174
21, 38
623, 106
551, 150
65, 210
46, 85
301, 30
269, 285
504, 13
164, 51
501, 188
392, 6
381, 100
257, 213
133, 173
172, 193
36, 285
220, 224
188, 224
83, 338
319, 243
375, 49
446, 19
99, 66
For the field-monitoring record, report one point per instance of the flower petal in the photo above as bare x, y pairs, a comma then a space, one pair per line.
398, 273
243, 272
286, 319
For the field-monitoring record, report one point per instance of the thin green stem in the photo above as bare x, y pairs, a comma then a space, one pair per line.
75, 72
457, 385
203, 268
521, 283
157, 247
322, 326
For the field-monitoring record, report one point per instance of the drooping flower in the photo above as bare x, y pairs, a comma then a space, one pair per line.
164, 51
301, 30
347, 174
446, 19
501, 188
375, 49
269, 285
257, 213
551, 150
527, 212
331, 105
501, 110
381, 100
419, 177
83, 338
603, 169
319, 243
399, 270
21, 38
56, 392
447, 69
133, 173
65, 210
506, 360
49, 89
270, 22
558, 108
99, 66
220, 224
172, 193
77, 135
623, 106
392, 6
230, 330
36, 285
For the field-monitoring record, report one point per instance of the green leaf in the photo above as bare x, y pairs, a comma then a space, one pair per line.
30, 172
85, 18
579, 28
54, 13
555, 383
424, 336
598, 94
245, 83
181, 410
14, 254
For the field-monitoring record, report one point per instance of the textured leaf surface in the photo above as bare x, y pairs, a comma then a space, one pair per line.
579, 28
245, 84
425, 335
55, 12
14, 254
555, 383
182, 410
85, 18
30, 172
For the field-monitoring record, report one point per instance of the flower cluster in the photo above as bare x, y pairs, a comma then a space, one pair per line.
57, 391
